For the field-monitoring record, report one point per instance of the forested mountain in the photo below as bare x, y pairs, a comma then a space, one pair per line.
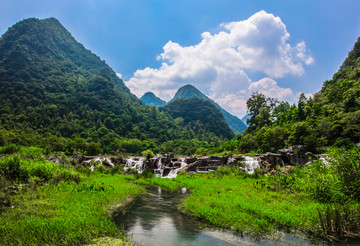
331, 117
60, 95
150, 99
189, 91
200, 115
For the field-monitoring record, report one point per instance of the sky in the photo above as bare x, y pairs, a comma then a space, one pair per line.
228, 49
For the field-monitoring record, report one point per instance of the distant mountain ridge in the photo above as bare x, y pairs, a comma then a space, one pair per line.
150, 99
57, 93
188, 91
52, 84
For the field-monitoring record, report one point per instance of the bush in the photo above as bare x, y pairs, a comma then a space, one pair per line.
147, 154
9, 149
12, 169
347, 166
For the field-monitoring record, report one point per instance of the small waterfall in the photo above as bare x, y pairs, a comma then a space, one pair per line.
101, 160
160, 169
251, 163
173, 173
135, 163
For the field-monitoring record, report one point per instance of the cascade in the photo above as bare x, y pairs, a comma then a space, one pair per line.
173, 173
160, 168
135, 163
251, 163
100, 160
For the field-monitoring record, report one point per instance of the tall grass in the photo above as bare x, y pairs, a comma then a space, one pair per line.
320, 199
339, 221
66, 213
242, 203
58, 205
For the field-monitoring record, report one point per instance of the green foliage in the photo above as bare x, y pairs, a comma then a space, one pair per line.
230, 199
332, 117
148, 154
199, 115
337, 181
339, 221
57, 95
66, 213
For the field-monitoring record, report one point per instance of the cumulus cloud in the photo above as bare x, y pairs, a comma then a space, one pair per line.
221, 62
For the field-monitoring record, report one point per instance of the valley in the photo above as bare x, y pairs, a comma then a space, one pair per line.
79, 152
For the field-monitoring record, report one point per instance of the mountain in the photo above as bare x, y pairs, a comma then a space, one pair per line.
150, 99
330, 118
189, 91
200, 115
53, 86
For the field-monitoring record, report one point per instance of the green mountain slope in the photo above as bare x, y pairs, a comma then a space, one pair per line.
60, 96
51, 84
201, 115
189, 91
330, 118
150, 99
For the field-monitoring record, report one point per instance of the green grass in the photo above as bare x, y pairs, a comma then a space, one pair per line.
248, 205
66, 213
58, 205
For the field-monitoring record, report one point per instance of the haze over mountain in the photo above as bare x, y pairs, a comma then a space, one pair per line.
150, 99
188, 91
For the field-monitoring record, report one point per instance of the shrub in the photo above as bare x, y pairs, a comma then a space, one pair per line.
148, 154
12, 169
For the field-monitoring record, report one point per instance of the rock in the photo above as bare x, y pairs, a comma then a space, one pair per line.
273, 159
167, 170
190, 160
77, 158
53, 159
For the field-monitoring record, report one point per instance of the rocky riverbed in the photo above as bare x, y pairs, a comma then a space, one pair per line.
169, 165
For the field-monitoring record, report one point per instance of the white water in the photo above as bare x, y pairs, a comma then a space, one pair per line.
160, 169
173, 173
136, 163
251, 164
100, 160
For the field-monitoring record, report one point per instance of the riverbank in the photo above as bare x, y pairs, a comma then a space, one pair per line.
67, 204
308, 200
66, 213
42, 203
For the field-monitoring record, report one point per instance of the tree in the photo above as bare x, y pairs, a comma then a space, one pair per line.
301, 106
260, 110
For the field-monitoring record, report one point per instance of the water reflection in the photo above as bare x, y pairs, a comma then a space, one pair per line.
155, 220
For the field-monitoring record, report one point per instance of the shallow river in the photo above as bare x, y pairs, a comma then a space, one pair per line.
154, 219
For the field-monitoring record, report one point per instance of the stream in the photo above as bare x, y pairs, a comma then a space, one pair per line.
154, 219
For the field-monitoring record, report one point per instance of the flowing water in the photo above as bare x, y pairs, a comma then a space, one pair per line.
251, 164
154, 219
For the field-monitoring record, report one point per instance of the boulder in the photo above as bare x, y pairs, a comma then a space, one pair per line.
77, 158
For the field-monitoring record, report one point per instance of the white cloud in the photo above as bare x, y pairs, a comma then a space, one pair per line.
221, 62
270, 88
119, 75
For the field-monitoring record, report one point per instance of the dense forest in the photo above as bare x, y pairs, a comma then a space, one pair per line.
200, 115
60, 96
330, 118
189, 91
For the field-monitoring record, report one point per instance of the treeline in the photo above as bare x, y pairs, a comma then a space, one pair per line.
330, 118
88, 146
58, 95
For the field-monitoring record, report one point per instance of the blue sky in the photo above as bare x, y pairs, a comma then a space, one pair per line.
160, 45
